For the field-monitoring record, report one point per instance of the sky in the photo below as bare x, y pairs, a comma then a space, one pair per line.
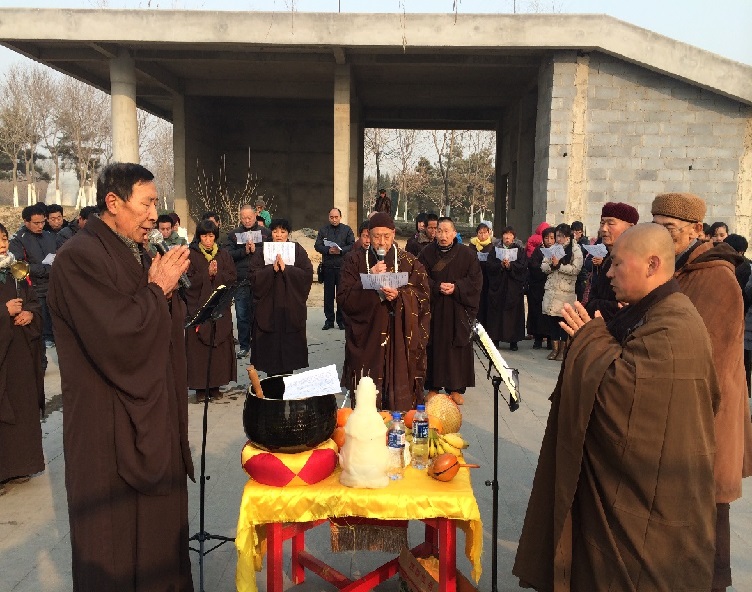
720, 26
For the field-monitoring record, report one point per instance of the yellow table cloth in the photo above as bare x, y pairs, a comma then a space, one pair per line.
415, 497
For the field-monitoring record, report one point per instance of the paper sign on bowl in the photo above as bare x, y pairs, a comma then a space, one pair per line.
312, 383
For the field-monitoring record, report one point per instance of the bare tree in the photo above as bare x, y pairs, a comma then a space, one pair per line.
447, 144
156, 151
14, 125
405, 141
378, 145
476, 172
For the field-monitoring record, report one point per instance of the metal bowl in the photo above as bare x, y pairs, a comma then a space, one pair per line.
290, 426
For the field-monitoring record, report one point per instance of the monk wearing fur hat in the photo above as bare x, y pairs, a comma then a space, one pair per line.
705, 272
616, 217
387, 328
622, 498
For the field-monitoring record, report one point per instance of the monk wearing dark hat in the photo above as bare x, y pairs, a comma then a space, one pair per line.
706, 274
623, 496
387, 328
616, 217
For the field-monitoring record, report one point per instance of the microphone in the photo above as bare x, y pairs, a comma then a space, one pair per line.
380, 254
157, 241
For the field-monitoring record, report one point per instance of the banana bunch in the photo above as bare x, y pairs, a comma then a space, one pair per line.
442, 443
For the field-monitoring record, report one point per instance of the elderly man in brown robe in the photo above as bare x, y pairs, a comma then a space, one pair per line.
118, 324
706, 274
456, 281
387, 328
623, 496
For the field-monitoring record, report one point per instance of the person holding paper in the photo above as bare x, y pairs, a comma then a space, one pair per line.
506, 291
388, 328
280, 291
456, 280
334, 241
615, 219
34, 245
560, 285
241, 254
484, 244
210, 268
537, 323
626, 465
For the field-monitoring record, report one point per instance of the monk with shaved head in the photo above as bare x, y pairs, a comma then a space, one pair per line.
626, 465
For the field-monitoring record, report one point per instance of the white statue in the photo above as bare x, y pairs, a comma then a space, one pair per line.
365, 457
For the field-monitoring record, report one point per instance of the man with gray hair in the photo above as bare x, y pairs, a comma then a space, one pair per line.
241, 254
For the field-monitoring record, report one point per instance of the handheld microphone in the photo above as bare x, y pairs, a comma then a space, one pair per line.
380, 254
157, 240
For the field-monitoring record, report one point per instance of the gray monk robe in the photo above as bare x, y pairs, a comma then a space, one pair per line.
386, 340
122, 360
21, 384
279, 325
450, 348
623, 496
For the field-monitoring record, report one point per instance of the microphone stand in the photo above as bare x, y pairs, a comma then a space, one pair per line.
210, 312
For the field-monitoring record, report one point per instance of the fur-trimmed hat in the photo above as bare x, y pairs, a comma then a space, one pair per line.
682, 206
381, 220
620, 211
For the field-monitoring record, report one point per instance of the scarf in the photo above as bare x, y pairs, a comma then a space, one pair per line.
631, 317
208, 254
479, 244
6, 261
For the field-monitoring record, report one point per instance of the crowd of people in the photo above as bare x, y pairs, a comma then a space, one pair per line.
649, 434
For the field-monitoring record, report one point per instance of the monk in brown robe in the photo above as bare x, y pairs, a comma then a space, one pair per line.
456, 281
21, 375
280, 292
211, 267
623, 496
705, 272
118, 324
387, 328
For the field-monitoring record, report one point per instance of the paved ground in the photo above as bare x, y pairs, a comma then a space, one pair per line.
34, 534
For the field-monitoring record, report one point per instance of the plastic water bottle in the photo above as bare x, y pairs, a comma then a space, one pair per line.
420, 438
396, 444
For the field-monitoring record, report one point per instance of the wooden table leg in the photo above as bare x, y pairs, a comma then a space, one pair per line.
432, 538
447, 555
274, 540
298, 571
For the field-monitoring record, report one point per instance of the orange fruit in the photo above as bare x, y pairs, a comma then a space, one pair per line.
386, 415
435, 423
342, 415
409, 418
338, 435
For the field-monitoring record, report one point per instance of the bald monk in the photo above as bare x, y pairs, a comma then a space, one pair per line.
631, 471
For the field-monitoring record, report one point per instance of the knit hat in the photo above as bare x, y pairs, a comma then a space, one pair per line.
381, 220
621, 211
682, 206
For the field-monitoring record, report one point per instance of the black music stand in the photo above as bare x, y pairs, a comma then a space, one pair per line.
513, 403
210, 312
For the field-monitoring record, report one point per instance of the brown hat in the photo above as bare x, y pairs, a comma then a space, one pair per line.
682, 206
381, 220
620, 211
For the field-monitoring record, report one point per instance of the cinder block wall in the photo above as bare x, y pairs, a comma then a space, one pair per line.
640, 133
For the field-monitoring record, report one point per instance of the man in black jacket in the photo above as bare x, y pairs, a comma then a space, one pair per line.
342, 235
241, 255
33, 244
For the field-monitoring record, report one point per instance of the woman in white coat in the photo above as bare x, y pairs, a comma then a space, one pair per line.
560, 286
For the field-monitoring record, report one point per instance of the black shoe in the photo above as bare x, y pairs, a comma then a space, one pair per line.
538, 344
513, 346
327, 326
341, 325
243, 353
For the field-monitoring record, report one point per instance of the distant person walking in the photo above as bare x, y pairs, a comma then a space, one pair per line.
383, 203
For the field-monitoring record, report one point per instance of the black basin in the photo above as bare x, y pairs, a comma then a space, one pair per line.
291, 426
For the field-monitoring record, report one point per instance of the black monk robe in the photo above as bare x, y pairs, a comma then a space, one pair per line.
279, 326
21, 385
450, 347
506, 296
623, 496
121, 350
386, 340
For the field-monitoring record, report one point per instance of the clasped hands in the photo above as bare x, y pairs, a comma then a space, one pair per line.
279, 264
15, 309
165, 270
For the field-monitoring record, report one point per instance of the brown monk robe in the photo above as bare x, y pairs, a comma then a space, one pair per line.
120, 343
21, 382
210, 268
386, 338
623, 496
279, 327
455, 280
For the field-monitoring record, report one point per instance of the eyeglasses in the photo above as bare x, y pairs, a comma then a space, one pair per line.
674, 230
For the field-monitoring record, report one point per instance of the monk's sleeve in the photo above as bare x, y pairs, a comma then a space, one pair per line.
261, 276
299, 277
350, 291
227, 273
467, 288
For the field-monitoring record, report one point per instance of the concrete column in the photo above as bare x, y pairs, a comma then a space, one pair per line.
179, 173
124, 120
744, 183
576, 169
342, 139
354, 162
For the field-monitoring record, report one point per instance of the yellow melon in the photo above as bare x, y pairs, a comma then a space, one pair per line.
447, 411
